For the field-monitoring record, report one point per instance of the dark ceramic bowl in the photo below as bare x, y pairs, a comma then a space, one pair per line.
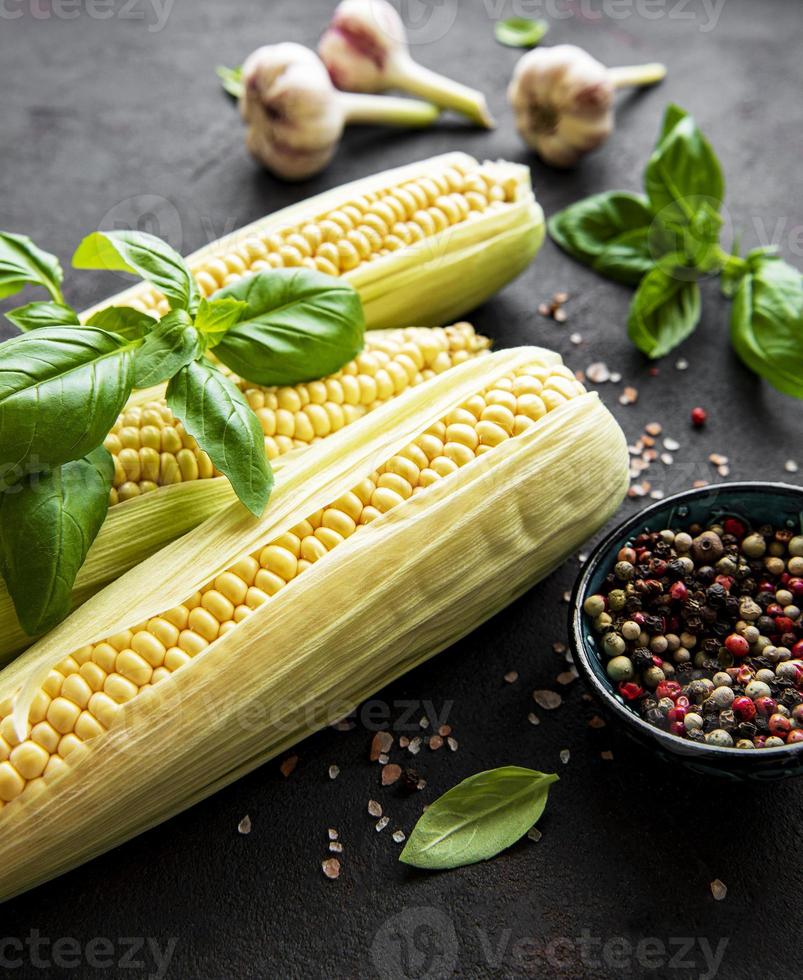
753, 503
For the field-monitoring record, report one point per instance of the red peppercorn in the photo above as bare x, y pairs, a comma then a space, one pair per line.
699, 416
766, 586
773, 609
765, 706
639, 618
627, 554
797, 649
759, 740
725, 581
743, 675
679, 592
682, 702
677, 728
737, 645
668, 689
796, 735
630, 691
795, 586
678, 713
743, 708
784, 624
732, 526
779, 725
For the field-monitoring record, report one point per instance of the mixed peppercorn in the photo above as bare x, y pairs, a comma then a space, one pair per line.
703, 634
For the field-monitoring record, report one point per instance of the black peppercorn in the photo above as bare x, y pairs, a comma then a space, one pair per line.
706, 574
695, 736
409, 780
715, 595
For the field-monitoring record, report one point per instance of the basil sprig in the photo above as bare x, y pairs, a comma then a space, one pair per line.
63, 385
665, 241
478, 818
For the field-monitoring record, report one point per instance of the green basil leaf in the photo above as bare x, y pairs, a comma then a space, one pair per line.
48, 314
216, 316
47, 523
682, 171
143, 255
231, 79
24, 264
214, 411
172, 344
125, 321
735, 269
767, 323
478, 818
672, 116
610, 232
298, 325
664, 311
61, 390
520, 32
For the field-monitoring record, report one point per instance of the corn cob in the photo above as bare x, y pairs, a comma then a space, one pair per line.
422, 244
402, 532
151, 449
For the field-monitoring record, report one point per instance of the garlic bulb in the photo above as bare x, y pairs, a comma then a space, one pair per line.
563, 100
365, 49
295, 116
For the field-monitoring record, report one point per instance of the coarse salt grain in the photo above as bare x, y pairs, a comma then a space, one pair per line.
681, 364
334, 772
435, 742
331, 868
288, 765
398, 836
244, 826
374, 808
335, 847
415, 745
381, 824
533, 718
380, 744
547, 699
671, 444
567, 677
718, 889
333, 834
576, 338
511, 676
565, 755
534, 834
390, 774
598, 372
452, 743
790, 466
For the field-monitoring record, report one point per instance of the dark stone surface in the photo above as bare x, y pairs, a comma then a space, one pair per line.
107, 120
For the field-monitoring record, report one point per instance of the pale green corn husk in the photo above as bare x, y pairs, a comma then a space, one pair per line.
407, 585
427, 283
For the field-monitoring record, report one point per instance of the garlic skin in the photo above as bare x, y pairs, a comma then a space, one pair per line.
294, 121
562, 98
295, 116
365, 49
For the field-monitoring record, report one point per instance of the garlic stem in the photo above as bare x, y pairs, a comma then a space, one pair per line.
386, 110
633, 75
404, 73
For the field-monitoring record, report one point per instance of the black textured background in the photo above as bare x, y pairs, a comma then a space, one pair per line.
111, 121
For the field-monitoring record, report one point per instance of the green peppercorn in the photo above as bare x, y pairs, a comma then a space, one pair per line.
748, 609
776, 549
594, 605
630, 630
617, 599
624, 571
653, 676
720, 738
751, 634
683, 542
795, 566
744, 743
672, 642
681, 656
721, 679
613, 645
693, 722
620, 669
784, 597
766, 675
658, 645
773, 742
603, 622
688, 640
727, 565
754, 546
667, 536
795, 546
775, 566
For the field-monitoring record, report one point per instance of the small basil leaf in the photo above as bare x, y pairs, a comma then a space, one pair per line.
47, 523
61, 390
173, 343
214, 411
48, 314
767, 323
24, 264
610, 232
520, 32
216, 316
231, 79
664, 311
478, 818
143, 255
298, 325
682, 171
126, 322
672, 116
